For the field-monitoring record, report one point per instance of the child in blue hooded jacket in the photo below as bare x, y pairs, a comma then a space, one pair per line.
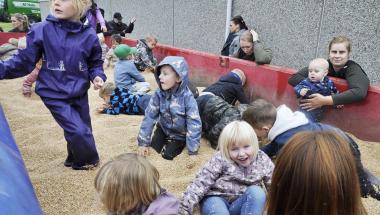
174, 107
71, 58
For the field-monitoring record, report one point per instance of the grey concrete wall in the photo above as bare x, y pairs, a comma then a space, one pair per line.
297, 31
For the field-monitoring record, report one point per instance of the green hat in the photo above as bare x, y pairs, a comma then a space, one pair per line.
122, 51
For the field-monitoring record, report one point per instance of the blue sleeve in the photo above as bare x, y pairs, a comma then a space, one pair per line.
25, 60
332, 87
303, 84
95, 61
193, 124
134, 73
150, 118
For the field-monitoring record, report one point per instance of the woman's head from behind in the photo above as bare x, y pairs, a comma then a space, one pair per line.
20, 21
339, 51
71, 10
237, 23
315, 173
238, 143
127, 183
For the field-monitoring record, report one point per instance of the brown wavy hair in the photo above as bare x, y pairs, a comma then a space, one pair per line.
315, 173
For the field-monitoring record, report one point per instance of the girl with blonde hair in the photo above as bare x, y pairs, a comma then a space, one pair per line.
129, 185
71, 60
231, 181
315, 174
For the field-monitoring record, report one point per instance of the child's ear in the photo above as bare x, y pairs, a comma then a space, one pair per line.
178, 79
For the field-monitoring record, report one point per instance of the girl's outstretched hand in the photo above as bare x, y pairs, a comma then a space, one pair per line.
98, 82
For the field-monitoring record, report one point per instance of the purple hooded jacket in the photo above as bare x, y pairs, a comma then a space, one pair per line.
71, 56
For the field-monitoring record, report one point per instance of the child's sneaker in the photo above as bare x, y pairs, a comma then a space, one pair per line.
86, 166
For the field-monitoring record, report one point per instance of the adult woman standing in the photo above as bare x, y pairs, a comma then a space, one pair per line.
237, 26
20, 23
341, 67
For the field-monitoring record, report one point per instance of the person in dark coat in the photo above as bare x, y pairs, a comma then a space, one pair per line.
116, 26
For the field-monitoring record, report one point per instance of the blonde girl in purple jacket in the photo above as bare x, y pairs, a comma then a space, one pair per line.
232, 181
129, 185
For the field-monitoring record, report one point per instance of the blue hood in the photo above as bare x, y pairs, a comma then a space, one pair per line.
180, 66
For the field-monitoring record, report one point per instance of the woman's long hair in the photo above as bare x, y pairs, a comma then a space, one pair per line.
315, 173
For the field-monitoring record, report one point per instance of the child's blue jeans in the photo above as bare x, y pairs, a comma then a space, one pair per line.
252, 202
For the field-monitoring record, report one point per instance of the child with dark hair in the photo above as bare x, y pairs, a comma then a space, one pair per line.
281, 124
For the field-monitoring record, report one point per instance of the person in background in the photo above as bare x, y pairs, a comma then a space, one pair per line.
103, 45
315, 174
111, 58
129, 184
237, 27
20, 23
116, 26
144, 59
317, 82
234, 180
94, 16
125, 73
341, 67
252, 49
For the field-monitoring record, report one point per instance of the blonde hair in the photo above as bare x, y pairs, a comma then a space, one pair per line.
22, 18
81, 6
237, 133
106, 89
127, 183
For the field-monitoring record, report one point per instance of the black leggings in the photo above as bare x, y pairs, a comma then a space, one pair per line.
168, 148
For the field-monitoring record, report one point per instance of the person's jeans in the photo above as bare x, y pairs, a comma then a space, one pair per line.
252, 202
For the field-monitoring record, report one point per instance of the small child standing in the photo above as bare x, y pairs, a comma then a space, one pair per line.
110, 56
71, 59
103, 45
119, 100
230, 182
126, 75
175, 108
129, 184
317, 82
144, 57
